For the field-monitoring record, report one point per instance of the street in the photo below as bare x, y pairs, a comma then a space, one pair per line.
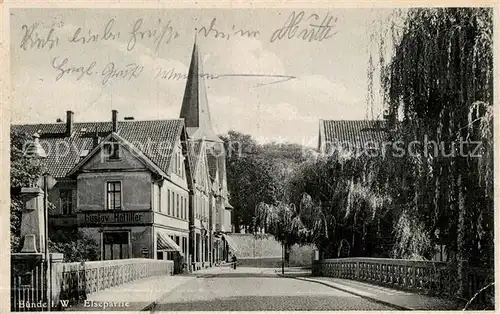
251, 291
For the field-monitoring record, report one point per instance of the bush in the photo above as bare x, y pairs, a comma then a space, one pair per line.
74, 244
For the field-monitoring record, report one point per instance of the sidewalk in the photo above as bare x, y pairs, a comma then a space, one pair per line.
133, 296
400, 300
224, 269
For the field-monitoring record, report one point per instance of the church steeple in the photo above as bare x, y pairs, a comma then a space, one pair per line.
194, 109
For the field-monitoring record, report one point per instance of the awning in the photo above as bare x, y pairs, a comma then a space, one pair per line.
232, 244
165, 243
227, 205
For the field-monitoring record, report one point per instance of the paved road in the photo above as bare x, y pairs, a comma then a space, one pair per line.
259, 291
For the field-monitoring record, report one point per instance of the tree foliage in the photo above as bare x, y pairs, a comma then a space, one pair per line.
74, 244
440, 77
256, 173
22, 173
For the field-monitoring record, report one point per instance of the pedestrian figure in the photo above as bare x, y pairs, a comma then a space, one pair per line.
233, 259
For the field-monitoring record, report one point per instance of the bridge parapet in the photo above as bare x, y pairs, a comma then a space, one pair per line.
74, 281
426, 277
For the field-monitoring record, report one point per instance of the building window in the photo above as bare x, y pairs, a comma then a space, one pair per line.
168, 203
115, 245
173, 203
112, 150
185, 208
159, 199
182, 207
66, 199
114, 194
177, 207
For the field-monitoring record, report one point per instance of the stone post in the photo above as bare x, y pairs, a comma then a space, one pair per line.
33, 221
56, 273
28, 265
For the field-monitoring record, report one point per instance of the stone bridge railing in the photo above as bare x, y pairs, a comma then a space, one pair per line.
74, 281
426, 277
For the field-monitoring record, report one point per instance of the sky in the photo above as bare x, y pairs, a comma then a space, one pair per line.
54, 70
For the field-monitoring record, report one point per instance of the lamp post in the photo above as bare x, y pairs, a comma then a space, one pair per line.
47, 183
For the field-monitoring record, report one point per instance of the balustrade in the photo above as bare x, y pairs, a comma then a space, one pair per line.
79, 279
427, 277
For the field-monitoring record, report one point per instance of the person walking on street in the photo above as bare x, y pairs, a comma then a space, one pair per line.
233, 260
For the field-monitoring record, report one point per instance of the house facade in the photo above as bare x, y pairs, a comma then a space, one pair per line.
140, 188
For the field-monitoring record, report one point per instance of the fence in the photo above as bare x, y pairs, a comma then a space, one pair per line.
74, 281
426, 277
28, 286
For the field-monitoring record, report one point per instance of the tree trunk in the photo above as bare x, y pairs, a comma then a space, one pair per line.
460, 238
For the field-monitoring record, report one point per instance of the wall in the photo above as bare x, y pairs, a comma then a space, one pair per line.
169, 207
264, 249
261, 262
136, 190
301, 255
226, 221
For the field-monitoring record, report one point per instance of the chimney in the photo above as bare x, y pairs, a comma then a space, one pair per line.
69, 123
95, 138
115, 120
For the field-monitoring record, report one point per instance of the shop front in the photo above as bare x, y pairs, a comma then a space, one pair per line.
120, 235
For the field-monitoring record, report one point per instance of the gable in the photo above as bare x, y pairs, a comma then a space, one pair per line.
202, 172
126, 160
128, 154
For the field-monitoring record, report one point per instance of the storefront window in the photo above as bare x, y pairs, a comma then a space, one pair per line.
115, 245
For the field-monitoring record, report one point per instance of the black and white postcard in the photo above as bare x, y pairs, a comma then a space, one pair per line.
248, 157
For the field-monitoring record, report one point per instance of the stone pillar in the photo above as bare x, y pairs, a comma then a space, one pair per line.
33, 221
56, 278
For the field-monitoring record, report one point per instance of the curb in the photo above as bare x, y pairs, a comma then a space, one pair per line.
395, 306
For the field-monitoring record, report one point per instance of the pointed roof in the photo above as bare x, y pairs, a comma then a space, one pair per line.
194, 109
125, 144
141, 134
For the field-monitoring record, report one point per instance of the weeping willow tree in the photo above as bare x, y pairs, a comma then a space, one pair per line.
342, 206
439, 83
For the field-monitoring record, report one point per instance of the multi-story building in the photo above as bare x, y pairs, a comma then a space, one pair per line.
210, 197
141, 188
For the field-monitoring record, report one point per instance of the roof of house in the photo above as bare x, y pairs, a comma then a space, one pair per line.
352, 132
155, 139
